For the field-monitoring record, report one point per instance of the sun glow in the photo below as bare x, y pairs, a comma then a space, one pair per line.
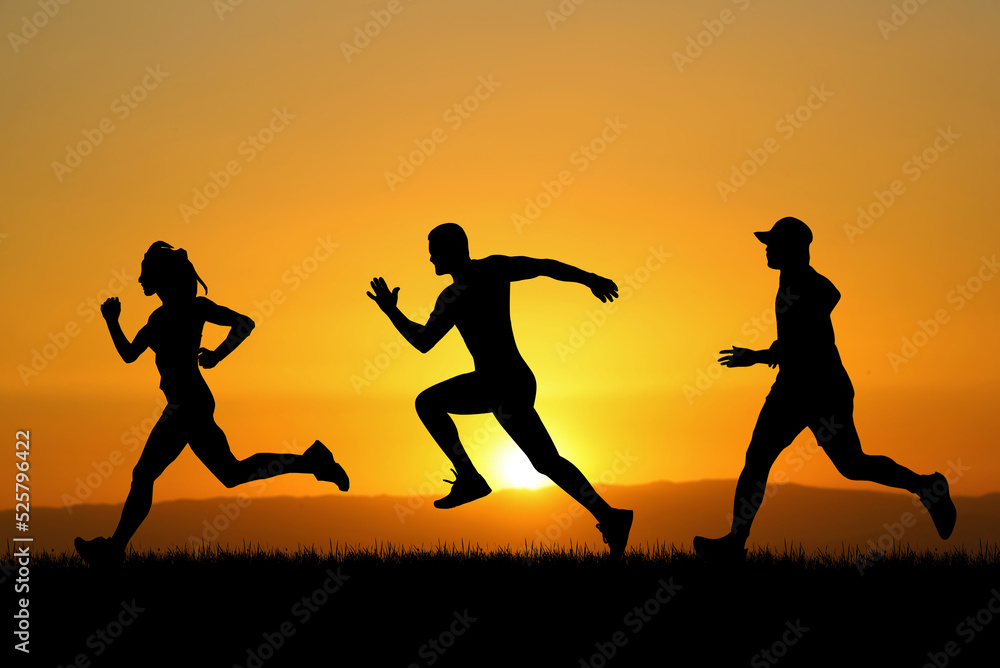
513, 470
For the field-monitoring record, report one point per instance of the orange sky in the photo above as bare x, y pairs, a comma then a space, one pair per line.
612, 110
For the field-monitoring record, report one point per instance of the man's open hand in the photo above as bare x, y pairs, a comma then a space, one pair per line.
385, 298
738, 357
604, 289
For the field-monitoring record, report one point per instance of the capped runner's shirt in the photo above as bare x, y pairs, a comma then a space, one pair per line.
805, 349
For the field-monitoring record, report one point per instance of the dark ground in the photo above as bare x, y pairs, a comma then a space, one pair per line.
486, 609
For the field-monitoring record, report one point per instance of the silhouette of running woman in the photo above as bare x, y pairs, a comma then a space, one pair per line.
174, 332
812, 390
478, 305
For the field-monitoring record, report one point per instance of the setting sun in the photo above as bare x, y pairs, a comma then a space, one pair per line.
512, 469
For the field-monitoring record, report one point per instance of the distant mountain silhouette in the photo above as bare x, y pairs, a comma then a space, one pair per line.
665, 512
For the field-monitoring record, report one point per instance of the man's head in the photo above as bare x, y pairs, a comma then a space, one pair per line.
449, 248
787, 243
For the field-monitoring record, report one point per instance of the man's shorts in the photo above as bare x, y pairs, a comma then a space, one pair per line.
825, 408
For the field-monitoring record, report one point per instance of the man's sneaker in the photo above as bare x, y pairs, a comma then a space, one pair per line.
936, 497
615, 529
726, 550
464, 490
320, 462
99, 552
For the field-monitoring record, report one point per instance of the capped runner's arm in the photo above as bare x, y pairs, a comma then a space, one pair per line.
737, 356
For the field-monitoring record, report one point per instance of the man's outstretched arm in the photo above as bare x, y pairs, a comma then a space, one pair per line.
521, 268
421, 337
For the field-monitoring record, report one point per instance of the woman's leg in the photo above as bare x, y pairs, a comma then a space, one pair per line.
210, 445
164, 444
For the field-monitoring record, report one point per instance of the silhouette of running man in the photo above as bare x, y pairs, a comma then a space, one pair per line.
812, 390
173, 332
478, 305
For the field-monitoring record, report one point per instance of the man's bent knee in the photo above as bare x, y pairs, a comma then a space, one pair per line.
426, 404
230, 481
231, 477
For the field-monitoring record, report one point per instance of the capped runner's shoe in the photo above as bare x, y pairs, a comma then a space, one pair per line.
615, 529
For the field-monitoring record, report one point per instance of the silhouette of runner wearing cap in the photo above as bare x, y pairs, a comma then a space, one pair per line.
173, 332
478, 305
812, 390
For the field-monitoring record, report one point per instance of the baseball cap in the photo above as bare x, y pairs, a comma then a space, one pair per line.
787, 232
